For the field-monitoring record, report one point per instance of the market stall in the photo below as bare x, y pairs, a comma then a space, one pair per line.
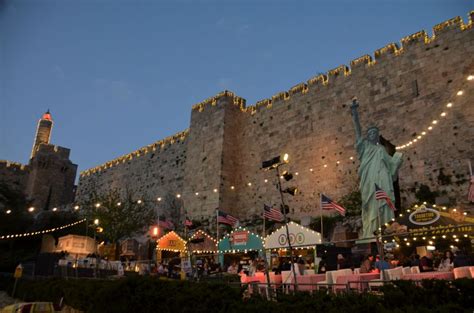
202, 243
303, 241
240, 247
430, 228
170, 246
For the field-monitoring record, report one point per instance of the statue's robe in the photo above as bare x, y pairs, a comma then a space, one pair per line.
376, 167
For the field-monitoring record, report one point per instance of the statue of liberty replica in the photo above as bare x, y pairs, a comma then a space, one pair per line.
377, 167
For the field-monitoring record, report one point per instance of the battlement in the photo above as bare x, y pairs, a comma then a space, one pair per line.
44, 148
212, 101
391, 50
13, 166
160, 144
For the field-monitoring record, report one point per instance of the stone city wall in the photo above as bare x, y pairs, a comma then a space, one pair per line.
402, 88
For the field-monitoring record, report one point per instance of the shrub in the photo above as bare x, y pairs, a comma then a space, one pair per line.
149, 294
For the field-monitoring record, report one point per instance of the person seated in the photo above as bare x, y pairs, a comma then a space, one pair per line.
382, 264
367, 264
232, 269
446, 263
426, 263
322, 266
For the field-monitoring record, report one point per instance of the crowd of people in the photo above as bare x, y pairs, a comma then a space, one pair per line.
431, 261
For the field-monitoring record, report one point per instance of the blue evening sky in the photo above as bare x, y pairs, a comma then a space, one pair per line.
120, 74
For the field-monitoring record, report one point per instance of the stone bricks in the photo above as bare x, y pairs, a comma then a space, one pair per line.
402, 89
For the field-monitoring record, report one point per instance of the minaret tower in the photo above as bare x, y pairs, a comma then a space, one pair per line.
43, 132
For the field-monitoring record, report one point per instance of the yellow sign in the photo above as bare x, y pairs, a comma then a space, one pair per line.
18, 271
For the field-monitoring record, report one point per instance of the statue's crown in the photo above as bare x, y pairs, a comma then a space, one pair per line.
373, 127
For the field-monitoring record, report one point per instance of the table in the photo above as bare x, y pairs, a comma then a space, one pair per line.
355, 281
429, 275
308, 282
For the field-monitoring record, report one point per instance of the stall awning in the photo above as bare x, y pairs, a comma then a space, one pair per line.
299, 237
171, 242
201, 242
429, 221
240, 240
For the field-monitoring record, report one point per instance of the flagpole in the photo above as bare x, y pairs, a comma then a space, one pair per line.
217, 224
263, 235
470, 167
321, 206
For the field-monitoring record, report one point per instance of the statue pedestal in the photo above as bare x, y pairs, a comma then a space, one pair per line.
341, 233
365, 247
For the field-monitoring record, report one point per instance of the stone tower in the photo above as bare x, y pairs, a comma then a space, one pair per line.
51, 174
43, 132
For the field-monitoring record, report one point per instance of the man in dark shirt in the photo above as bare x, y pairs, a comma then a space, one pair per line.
426, 262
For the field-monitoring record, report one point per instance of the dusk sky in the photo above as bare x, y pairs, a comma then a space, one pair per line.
118, 75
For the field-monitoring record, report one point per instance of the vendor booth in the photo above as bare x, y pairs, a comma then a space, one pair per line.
202, 243
240, 247
170, 246
303, 241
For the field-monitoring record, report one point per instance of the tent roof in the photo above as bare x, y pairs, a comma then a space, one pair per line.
172, 242
253, 241
208, 245
299, 237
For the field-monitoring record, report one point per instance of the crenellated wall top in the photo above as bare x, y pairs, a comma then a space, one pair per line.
156, 146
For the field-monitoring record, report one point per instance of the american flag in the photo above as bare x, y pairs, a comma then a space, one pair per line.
382, 195
166, 224
188, 222
225, 218
272, 214
328, 204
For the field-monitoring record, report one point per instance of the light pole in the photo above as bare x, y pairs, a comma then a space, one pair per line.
275, 163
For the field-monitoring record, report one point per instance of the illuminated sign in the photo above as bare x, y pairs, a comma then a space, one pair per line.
424, 216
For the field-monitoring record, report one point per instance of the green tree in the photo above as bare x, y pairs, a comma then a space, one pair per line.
352, 202
118, 218
14, 219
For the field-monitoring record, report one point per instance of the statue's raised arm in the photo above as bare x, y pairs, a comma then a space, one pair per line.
355, 118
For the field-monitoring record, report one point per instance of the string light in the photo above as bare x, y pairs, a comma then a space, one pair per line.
8, 211
31, 209
41, 232
434, 122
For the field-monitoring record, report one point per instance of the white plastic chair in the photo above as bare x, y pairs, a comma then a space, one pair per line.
471, 269
415, 270
357, 271
462, 272
328, 279
406, 270
309, 272
395, 274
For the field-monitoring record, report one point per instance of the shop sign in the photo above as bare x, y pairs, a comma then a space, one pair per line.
424, 216
297, 239
240, 238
